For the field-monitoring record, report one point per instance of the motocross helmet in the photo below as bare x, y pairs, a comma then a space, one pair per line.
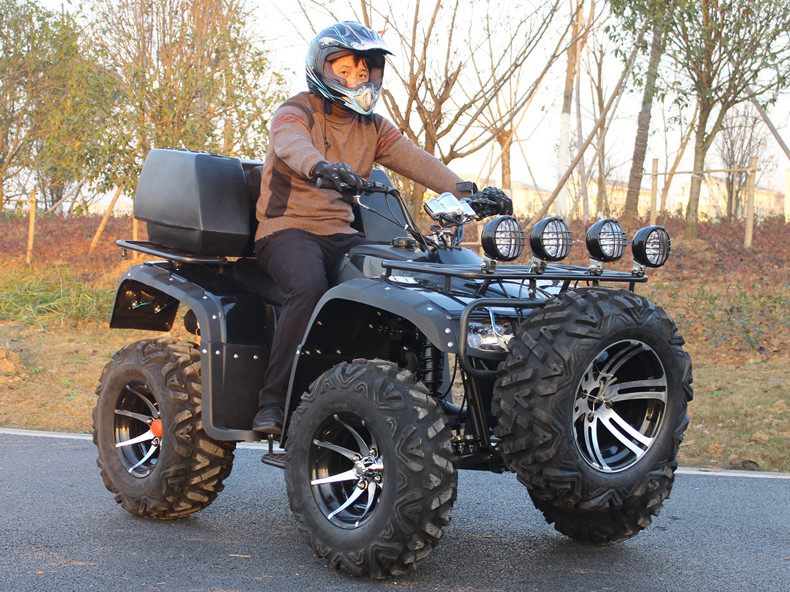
334, 42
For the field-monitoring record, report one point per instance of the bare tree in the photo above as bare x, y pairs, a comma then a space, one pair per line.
594, 63
596, 72
601, 122
454, 60
674, 123
742, 136
730, 51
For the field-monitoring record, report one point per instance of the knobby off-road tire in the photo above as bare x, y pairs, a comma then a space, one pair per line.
591, 403
153, 453
368, 469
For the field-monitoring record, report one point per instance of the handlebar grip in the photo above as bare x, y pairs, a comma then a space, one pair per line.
370, 187
324, 183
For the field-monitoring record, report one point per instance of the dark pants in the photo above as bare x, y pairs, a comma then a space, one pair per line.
299, 262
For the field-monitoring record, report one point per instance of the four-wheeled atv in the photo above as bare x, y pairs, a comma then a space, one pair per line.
422, 359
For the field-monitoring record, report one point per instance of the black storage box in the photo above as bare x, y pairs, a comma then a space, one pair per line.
194, 202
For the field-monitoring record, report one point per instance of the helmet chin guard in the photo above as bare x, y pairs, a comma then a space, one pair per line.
348, 38
362, 99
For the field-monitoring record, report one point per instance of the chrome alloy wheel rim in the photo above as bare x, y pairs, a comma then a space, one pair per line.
620, 405
347, 472
137, 429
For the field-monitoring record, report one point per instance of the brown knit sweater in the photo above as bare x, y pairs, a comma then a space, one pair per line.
302, 134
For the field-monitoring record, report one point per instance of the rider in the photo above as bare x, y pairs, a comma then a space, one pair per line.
330, 134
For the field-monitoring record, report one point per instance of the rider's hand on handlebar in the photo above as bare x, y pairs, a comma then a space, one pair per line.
491, 201
339, 174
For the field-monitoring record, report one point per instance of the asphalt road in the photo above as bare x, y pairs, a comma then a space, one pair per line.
60, 530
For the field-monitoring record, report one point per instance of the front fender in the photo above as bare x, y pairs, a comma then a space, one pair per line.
355, 320
415, 305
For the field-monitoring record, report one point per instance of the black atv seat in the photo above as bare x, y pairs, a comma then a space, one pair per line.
250, 275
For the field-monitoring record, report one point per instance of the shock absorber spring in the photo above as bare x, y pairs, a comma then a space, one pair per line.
432, 367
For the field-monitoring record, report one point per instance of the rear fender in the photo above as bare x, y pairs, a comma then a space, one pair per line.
235, 328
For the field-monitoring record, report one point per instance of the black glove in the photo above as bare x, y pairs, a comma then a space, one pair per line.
490, 202
340, 176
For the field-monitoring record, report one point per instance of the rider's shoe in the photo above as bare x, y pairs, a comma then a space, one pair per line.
268, 421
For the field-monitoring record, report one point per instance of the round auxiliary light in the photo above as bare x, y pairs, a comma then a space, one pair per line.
651, 246
551, 239
606, 240
503, 238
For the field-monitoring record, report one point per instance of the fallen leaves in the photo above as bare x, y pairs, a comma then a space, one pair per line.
715, 449
10, 362
760, 437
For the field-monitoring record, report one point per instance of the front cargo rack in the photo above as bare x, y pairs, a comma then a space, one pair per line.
556, 273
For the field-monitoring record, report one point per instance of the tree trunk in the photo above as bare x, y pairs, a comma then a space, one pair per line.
692, 209
561, 204
631, 213
580, 140
601, 203
505, 140
681, 150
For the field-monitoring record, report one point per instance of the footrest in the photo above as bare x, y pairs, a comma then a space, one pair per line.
275, 459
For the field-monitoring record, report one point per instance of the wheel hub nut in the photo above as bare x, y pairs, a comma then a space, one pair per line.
370, 467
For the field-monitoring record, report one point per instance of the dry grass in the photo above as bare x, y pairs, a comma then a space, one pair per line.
732, 306
740, 417
48, 375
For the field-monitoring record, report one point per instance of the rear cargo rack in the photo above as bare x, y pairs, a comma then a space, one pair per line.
175, 255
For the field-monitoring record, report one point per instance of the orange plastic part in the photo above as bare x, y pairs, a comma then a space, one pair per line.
156, 428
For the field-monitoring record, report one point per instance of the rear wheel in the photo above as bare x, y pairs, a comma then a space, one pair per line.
368, 469
153, 453
591, 404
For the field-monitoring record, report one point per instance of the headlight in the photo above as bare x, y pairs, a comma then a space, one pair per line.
550, 240
503, 238
650, 247
489, 336
606, 240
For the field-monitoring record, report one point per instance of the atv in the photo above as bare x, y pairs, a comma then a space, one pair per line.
423, 358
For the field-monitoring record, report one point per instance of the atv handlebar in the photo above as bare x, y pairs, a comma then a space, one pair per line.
368, 188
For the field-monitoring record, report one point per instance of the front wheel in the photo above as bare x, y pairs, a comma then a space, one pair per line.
368, 469
147, 425
591, 403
